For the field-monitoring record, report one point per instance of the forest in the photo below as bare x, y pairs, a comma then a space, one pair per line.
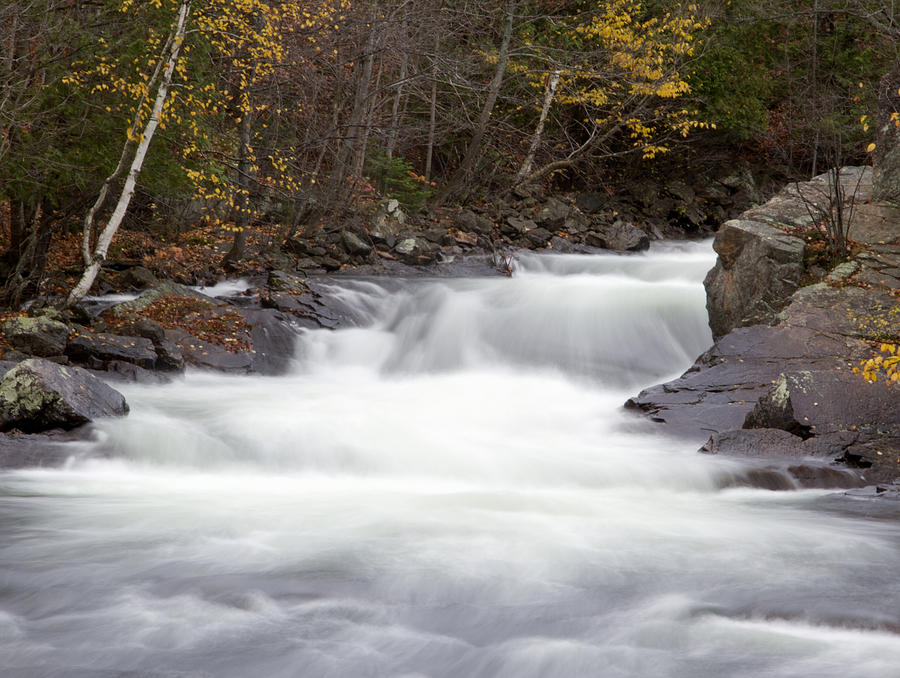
234, 115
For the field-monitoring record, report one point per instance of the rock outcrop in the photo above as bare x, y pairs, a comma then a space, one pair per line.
792, 371
37, 395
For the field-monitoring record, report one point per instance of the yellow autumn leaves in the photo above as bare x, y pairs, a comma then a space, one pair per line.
887, 365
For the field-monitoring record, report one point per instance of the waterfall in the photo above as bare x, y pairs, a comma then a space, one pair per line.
451, 489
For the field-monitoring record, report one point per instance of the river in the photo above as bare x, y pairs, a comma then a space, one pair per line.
451, 490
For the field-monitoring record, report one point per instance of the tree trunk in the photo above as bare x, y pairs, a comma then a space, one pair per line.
30, 256
115, 220
549, 92
462, 175
395, 107
242, 205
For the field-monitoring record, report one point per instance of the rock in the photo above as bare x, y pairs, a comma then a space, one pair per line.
310, 302
38, 395
575, 223
36, 336
594, 239
625, 236
680, 190
515, 227
553, 214
146, 328
469, 222
169, 357
591, 202
566, 246
207, 355
354, 244
274, 341
439, 236
759, 442
96, 350
774, 411
758, 268
886, 183
137, 277
465, 238
388, 221
328, 263
538, 237
524, 190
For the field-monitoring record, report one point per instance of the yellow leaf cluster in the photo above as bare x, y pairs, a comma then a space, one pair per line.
887, 365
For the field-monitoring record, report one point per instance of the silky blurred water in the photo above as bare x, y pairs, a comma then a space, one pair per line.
451, 490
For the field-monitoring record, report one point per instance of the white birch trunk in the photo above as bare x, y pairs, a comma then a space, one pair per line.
549, 93
115, 220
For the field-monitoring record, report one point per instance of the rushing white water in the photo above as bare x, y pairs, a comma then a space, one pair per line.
453, 490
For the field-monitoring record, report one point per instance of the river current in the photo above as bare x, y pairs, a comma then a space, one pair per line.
452, 489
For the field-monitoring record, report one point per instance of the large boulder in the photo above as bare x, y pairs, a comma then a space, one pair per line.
38, 395
887, 143
757, 270
37, 336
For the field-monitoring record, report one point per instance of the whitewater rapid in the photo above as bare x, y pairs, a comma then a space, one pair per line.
450, 490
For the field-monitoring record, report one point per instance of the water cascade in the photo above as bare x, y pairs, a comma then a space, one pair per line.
450, 490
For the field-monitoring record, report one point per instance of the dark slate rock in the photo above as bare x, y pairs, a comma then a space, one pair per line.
774, 410
210, 356
591, 202
36, 336
138, 278
515, 227
146, 328
169, 357
95, 350
553, 214
538, 237
625, 236
38, 395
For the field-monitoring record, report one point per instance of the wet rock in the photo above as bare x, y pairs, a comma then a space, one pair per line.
96, 350
760, 442
38, 395
208, 355
146, 328
41, 336
310, 302
169, 357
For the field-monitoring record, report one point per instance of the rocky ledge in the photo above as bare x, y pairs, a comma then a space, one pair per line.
779, 381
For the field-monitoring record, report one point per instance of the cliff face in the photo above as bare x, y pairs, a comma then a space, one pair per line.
761, 263
784, 353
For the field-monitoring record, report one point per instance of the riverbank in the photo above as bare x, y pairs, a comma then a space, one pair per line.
781, 380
